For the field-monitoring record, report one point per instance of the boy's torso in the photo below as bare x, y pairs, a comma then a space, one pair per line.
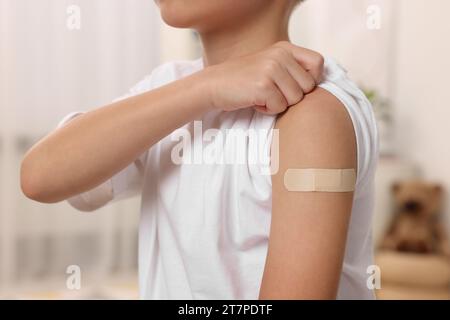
206, 210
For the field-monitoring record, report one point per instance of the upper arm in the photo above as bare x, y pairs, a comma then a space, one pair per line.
309, 229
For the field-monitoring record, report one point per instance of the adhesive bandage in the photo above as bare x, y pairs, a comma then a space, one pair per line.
320, 180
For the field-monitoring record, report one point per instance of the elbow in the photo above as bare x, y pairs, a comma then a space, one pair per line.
33, 183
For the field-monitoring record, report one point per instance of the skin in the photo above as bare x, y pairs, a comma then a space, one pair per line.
256, 74
249, 63
309, 229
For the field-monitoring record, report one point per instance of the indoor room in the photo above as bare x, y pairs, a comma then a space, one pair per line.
58, 57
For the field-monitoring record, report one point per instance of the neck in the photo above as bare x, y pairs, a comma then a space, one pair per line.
245, 38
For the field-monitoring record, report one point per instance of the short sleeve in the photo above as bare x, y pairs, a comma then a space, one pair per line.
126, 183
143, 86
361, 113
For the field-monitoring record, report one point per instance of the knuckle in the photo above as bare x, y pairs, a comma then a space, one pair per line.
282, 52
309, 86
319, 60
282, 107
299, 96
278, 52
271, 66
282, 104
276, 109
264, 84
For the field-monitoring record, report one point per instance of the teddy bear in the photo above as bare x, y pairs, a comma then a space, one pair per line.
416, 225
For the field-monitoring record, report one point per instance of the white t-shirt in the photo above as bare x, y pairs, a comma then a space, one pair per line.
206, 198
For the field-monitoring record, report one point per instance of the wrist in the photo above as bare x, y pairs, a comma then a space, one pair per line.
208, 88
196, 92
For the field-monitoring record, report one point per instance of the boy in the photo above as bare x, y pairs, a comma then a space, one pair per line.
217, 229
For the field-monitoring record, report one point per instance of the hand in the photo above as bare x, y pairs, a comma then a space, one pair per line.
269, 81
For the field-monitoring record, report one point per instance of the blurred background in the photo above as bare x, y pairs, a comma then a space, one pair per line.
59, 56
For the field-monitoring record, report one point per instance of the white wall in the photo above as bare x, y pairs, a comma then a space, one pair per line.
47, 71
52, 70
339, 29
422, 93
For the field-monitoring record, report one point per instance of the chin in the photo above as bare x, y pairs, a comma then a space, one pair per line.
178, 13
207, 14
177, 21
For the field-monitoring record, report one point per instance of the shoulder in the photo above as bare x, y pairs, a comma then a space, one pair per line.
316, 132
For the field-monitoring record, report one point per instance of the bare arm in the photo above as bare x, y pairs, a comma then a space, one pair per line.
309, 230
96, 145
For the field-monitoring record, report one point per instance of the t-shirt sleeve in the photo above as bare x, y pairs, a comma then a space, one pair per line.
362, 116
125, 184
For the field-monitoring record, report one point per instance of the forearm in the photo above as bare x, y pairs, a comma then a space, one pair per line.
98, 144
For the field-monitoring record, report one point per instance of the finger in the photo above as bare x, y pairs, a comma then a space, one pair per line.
275, 101
311, 61
303, 78
261, 109
289, 87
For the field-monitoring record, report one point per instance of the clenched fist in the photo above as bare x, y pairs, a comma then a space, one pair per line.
269, 81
